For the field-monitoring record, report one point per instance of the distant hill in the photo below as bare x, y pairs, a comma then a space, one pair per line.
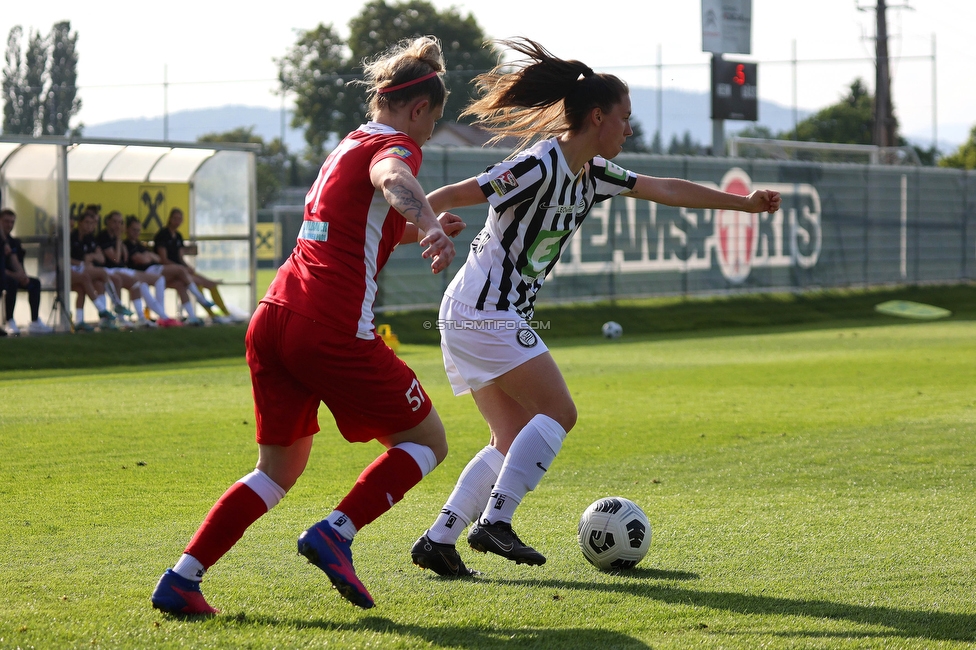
690, 112
187, 126
683, 111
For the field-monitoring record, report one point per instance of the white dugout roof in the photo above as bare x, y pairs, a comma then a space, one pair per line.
219, 179
105, 162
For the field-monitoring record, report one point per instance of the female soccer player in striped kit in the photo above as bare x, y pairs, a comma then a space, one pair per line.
537, 199
312, 337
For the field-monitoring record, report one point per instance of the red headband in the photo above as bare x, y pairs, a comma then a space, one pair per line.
390, 89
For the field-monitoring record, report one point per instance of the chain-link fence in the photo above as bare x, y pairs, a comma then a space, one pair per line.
840, 225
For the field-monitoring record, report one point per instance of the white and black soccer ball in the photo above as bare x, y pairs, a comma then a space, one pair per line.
612, 330
614, 534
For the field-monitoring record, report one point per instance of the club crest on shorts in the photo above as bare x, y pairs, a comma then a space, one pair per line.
526, 338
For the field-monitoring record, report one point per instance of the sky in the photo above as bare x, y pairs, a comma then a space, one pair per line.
162, 58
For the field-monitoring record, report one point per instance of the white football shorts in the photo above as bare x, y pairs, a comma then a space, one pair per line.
479, 346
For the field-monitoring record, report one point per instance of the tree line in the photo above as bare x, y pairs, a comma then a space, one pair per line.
40, 86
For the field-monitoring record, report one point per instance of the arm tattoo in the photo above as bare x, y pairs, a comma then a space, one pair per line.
405, 202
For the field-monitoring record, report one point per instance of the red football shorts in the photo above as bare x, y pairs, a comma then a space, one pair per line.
296, 363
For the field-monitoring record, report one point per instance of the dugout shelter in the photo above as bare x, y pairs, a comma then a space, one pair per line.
49, 181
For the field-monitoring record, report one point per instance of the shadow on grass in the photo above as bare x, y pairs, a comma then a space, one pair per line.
474, 637
903, 623
658, 574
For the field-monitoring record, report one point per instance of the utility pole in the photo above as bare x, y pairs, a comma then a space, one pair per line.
884, 119
884, 123
718, 123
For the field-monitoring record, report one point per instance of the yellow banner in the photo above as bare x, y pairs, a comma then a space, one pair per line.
151, 202
267, 240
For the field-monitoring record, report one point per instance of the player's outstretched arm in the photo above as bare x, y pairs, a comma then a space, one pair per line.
681, 193
458, 195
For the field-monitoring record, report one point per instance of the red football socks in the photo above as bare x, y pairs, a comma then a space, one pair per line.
238, 508
381, 485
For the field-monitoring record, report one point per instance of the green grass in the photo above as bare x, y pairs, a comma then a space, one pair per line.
661, 318
667, 317
121, 348
809, 486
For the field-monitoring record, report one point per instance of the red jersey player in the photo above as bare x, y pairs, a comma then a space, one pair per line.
312, 337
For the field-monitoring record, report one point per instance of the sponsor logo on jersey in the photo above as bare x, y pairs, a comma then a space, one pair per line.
315, 230
401, 152
543, 250
560, 209
564, 209
504, 183
527, 338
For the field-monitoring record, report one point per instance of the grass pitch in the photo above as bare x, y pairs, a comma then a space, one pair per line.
807, 488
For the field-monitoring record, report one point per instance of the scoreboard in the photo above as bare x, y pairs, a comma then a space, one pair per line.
734, 95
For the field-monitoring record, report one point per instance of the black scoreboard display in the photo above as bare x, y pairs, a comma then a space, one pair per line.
734, 95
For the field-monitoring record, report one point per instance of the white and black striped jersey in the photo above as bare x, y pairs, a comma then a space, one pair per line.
535, 204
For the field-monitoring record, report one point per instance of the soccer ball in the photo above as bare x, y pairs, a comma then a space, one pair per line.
612, 330
614, 534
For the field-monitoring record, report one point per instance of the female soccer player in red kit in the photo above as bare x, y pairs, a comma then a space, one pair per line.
312, 337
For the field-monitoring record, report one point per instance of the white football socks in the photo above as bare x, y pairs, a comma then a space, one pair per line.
528, 460
342, 524
195, 290
154, 305
160, 287
190, 568
470, 493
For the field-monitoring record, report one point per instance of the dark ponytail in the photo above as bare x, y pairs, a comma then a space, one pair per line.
544, 95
